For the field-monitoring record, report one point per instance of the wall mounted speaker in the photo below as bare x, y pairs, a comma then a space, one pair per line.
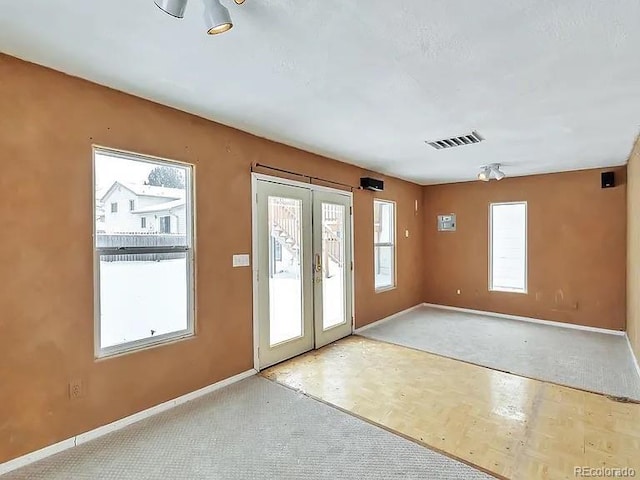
372, 184
608, 179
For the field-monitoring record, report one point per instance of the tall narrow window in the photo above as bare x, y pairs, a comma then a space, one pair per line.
508, 247
144, 287
132, 205
384, 239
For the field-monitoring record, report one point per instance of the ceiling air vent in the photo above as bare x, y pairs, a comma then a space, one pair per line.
471, 138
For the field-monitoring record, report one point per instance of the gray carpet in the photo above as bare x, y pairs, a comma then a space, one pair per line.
255, 429
593, 361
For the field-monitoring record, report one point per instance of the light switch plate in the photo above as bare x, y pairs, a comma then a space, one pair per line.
241, 260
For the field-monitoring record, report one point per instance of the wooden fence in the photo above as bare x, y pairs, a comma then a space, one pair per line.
140, 240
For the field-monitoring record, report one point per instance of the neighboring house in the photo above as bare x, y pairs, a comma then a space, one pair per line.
130, 208
100, 216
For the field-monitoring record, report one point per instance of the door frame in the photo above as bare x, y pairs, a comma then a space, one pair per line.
255, 177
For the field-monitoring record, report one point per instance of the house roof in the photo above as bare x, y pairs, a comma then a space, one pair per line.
160, 206
147, 191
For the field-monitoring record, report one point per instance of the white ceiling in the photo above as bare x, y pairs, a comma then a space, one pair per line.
552, 85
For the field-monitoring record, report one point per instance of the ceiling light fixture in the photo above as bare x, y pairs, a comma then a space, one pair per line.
485, 174
489, 171
175, 8
216, 17
497, 174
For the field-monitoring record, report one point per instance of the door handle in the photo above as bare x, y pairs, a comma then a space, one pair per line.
318, 263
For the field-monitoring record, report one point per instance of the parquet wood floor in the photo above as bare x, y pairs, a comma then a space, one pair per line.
511, 426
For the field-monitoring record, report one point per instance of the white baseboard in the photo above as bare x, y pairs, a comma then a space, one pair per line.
527, 319
386, 319
633, 355
118, 424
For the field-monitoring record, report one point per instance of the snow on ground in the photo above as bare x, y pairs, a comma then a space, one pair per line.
333, 297
138, 297
285, 302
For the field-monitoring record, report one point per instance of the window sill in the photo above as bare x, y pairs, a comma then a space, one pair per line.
386, 289
140, 345
507, 290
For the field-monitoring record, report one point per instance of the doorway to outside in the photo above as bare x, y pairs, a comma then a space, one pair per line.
302, 250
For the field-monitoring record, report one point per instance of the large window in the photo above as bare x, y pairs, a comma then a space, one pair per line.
508, 247
144, 277
384, 239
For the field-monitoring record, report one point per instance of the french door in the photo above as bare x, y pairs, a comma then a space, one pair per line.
304, 290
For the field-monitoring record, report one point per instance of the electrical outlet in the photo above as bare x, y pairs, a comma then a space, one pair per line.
458, 291
76, 389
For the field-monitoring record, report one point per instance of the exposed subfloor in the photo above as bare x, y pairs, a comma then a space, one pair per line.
255, 429
593, 361
512, 426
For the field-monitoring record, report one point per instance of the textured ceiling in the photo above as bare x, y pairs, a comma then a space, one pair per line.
552, 85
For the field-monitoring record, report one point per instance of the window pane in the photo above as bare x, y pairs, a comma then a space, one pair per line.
333, 266
148, 189
384, 240
508, 246
384, 268
285, 278
142, 204
383, 222
142, 296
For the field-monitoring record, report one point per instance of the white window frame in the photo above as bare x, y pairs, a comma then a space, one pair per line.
132, 205
391, 244
492, 288
114, 207
189, 254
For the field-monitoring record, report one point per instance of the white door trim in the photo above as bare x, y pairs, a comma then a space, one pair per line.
255, 177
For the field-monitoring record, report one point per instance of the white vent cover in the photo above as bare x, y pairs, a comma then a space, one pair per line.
468, 139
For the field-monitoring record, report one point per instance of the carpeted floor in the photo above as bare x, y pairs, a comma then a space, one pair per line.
593, 361
255, 429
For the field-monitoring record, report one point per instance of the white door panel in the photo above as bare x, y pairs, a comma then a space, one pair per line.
304, 280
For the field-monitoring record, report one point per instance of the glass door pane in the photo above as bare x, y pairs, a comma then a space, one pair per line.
285, 270
284, 267
333, 271
332, 266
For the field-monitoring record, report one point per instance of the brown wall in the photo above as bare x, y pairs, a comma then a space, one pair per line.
48, 123
576, 247
633, 249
